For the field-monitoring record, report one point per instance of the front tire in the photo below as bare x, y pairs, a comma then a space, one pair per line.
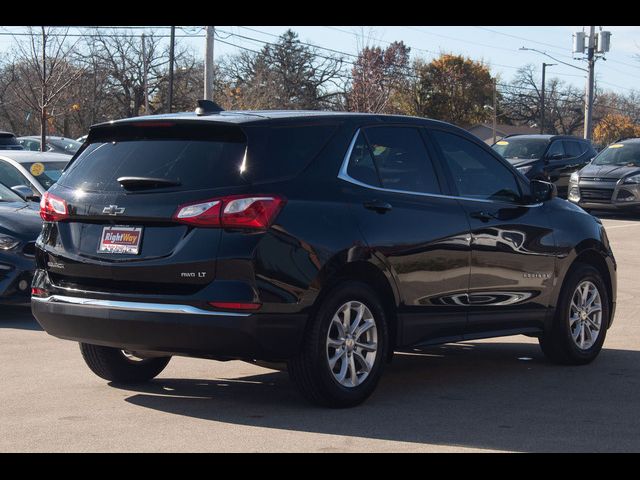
345, 348
119, 366
581, 320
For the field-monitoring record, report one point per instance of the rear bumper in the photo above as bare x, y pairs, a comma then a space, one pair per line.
176, 329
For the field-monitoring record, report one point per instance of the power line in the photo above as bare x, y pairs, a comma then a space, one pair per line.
459, 39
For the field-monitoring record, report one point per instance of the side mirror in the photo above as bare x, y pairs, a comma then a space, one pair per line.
555, 156
542, 191
26, 193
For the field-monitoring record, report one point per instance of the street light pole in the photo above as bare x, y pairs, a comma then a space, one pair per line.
544, 67
495, 113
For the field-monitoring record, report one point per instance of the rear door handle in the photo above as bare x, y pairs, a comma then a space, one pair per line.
378, 206
484, 216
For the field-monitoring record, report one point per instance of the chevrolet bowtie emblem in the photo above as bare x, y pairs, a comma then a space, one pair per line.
113, 210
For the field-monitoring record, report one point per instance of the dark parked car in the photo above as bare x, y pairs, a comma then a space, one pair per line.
20, 225
325, 240
66, 146
552, 158
8, 141
611, 181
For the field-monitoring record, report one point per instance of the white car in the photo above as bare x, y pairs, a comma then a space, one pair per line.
34, 170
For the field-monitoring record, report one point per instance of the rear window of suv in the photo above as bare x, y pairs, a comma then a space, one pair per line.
8, 139
198, 157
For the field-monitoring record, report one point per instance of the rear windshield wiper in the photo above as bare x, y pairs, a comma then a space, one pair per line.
132, 183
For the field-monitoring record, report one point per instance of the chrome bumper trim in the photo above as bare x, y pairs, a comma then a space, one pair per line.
134, 306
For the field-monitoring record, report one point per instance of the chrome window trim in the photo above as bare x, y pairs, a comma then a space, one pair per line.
134, 306
343, 175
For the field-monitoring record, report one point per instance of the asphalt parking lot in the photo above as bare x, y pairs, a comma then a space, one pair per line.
497, 394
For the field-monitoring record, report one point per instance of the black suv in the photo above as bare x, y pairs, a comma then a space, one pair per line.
326, 240
552, 158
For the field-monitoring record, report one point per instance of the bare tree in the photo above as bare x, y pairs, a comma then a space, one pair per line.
127, 63
564, 104
41, 71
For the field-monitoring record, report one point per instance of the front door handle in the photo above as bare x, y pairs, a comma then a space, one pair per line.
483, 216
378, 206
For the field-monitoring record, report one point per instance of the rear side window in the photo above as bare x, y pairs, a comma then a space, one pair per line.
47, 173
572, 148
586, 147
278, 152
395, 158
402, 160
199, 157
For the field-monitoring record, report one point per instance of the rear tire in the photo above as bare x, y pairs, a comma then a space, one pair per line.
112, 364
338, 366
573, 338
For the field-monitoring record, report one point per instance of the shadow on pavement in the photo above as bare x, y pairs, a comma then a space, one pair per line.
17, 317
481, 395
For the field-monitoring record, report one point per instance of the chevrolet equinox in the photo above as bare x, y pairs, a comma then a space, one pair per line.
322, 240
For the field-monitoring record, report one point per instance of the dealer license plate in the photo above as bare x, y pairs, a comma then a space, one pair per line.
120, 240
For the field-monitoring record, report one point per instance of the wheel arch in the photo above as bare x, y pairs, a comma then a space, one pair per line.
593, 255
374, 273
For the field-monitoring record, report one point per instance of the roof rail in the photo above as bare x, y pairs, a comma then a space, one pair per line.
208, 107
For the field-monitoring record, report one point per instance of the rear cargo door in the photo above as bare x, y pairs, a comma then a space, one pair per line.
122, 191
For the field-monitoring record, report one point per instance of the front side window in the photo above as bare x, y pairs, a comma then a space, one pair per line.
476, 173
12, 177
556, 151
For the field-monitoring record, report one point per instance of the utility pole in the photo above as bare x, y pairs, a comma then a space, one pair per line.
171, 60
544, 67
43, 109
588, 107
495, 107
144, 76
208, 64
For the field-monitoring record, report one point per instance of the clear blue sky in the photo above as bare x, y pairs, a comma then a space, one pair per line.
497, 46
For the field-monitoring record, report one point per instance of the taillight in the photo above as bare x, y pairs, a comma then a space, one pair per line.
38, 292
237, 211
202, 214
52, 208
